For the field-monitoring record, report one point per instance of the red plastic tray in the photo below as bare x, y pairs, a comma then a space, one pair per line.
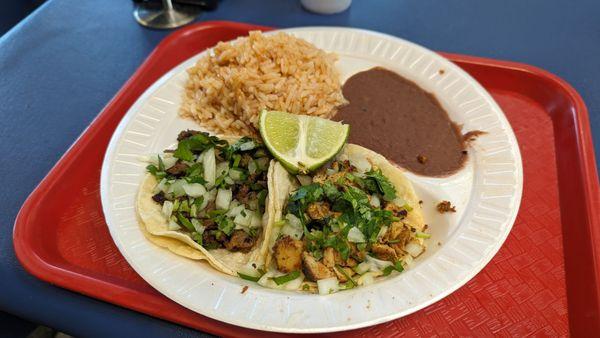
543, 281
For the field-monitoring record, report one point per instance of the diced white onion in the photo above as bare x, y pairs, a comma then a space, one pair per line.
167, 209
211, 195
361, 163
375, 201
223, 199
176, 188
367, 279
293, 220
362, 268
173, 225
244, 219
252, 166
255, 220
382, 232
198, 226
356, 236
414, 249
294, 284
377, 264
168, 160
328, 285
222, 169
161, 186
247, 146
293, 227
304, 179
236, 174
235, 209
210, 166
194, 189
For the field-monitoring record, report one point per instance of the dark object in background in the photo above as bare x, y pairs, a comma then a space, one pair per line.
207, 5
11, 12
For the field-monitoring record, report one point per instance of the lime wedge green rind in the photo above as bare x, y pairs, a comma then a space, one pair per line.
302, 143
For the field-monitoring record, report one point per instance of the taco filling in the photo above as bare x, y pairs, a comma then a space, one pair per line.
347, 224
213, 191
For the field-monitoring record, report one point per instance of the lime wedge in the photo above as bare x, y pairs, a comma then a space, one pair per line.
301, 143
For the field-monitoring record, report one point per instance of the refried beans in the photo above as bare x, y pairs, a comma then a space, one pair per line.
396, 118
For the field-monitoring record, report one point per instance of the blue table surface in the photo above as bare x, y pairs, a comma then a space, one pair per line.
62, 64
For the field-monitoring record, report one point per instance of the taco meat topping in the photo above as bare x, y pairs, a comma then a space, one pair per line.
318, 210
178, 169
313, 269
212, 190
240, 241
288, 254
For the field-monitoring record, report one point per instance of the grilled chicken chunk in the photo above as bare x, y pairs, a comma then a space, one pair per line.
288, 254
318, 210
313, 269
341, 276
384, 252
331, 257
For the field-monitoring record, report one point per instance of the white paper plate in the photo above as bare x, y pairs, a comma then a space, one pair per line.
487, 193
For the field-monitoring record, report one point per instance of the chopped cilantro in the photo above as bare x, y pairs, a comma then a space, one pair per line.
197, 237
385, 187
331, 192
224, 224
152, 169
286, 278
183, 151
185, 222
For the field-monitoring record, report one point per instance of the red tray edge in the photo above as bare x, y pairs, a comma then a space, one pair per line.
81, 283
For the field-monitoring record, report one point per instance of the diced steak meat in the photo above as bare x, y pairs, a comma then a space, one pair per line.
209, 241
159, 198
240, 241
178, 169
209, 224
288, 254
186, 133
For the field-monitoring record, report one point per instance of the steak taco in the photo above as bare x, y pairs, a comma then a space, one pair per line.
208, 199
356, 219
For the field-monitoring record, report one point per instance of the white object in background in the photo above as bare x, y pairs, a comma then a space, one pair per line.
326, 6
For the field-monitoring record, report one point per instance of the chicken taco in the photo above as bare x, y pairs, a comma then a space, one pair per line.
207, 199
356, 219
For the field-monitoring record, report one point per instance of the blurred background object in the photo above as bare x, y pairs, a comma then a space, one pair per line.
167, 14
326, 6
13, 11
